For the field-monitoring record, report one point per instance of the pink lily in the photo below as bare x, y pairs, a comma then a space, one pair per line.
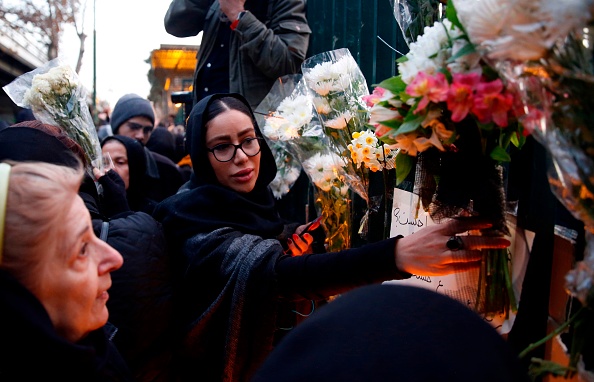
374, 97
430, 88
460, 95
491, 103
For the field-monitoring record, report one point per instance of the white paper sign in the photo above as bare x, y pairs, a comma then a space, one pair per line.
407, 218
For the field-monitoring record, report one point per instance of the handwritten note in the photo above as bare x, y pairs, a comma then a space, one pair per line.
408, 218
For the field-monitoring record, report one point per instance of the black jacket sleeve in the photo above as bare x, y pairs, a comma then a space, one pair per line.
318, 276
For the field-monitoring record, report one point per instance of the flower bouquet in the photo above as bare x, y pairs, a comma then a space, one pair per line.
277, 133
413, 16
338, 87
289, 117
55, 95
452, 118
288, 169
545, 49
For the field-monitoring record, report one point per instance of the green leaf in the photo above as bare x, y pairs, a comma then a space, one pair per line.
452, 15
499, 154
411, 123
402, 59
393, 84
446, 73
540, 367
391, 123
404, 163
518, 139
466, 50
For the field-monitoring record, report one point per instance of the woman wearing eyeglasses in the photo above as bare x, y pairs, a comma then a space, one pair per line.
234, 271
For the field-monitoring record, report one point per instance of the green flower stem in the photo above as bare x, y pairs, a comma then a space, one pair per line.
495, 292
508, 283
386, 207
552, 334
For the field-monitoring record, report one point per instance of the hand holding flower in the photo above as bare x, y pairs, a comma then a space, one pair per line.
425, 253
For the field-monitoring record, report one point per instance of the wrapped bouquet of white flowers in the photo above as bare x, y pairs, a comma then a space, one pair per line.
55, 95
337, 86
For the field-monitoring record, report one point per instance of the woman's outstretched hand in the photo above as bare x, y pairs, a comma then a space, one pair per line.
300, 244
437, 250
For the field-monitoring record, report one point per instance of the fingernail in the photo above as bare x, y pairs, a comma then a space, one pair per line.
295, 236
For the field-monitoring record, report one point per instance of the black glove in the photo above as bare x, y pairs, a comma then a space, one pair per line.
114, 199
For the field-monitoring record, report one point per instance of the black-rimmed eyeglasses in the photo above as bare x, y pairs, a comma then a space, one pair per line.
226, 151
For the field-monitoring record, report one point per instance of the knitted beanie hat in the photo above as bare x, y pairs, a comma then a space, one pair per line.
130, 106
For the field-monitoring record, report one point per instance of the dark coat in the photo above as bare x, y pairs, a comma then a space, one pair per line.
140, 303
234, 272
140, 297
31, 350
269, 42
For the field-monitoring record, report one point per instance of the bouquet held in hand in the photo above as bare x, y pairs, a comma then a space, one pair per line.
55, 95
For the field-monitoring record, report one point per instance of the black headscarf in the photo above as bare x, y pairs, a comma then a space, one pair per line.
393, 333
140, 182
208, 205
24, 143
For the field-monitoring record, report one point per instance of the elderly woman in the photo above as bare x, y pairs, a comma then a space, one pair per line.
140, 301
54, 280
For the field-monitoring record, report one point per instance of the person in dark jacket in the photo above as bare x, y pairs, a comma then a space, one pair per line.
54, 280
234, 269
140, 303
246, 45
383, 333
134, 117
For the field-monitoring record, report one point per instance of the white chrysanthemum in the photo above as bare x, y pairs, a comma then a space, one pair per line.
271, 128
290, 104
329, 77
288, 131
277, 186
283, 181
323, 170
340, 121
345, 66
322, 106
300, 112
430, 52
322, 88
319, 73
521, 29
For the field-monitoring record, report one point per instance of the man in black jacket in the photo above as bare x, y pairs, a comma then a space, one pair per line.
134, 117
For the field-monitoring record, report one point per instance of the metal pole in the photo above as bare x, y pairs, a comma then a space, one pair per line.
94, 61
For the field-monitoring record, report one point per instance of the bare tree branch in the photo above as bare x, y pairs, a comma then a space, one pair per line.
45, 21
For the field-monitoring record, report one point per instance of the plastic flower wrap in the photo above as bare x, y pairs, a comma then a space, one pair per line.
289, 120
451, 117
337, 87
545, 49
332, 198
55, 95
277, 132
414, 15
288, 169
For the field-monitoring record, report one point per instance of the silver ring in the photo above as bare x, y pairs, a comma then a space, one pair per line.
455, 243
